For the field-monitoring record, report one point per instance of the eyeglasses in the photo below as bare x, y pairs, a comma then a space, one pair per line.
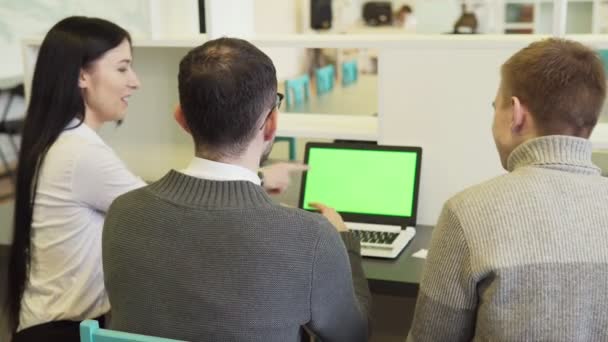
277, 105
279, 100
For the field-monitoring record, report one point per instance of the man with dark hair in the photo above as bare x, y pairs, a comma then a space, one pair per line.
523, 257
204, 254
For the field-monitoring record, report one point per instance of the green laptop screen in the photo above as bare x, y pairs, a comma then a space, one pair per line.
362, 181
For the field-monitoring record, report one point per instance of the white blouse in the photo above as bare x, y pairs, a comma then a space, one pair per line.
79, 179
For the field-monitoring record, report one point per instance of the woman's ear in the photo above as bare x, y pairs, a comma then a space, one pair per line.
83, 79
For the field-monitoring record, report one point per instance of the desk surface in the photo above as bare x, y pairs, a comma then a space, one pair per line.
359, 98
402, 275
399, 276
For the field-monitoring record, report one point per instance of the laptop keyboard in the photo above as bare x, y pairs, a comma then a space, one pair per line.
366, 236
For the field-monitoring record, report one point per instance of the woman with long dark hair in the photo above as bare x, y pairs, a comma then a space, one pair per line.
67, 178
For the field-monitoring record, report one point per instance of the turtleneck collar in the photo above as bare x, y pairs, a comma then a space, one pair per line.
566, 153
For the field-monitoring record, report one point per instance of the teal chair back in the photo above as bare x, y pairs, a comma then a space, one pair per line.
349, 73
297, 90
90, 332
325, 77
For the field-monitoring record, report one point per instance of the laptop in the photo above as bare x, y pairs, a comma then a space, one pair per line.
373, 187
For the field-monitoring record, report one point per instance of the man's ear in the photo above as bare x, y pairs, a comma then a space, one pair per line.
178, 114
271, 125
519, 116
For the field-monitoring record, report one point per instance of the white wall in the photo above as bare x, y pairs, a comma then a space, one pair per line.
25, 18
579, 18
229, 18
436, 16
440, 98
346, 13
280, 16
149, 140
174, 19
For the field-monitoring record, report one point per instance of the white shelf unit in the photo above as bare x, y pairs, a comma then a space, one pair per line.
519, 26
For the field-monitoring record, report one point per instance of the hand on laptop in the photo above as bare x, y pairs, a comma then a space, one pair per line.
277, 176
331, 215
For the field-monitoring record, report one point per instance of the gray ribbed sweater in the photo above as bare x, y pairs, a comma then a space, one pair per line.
201, 260
524, 256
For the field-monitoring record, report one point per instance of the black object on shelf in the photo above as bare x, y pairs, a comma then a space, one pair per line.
378, 13
201, 17
320, 14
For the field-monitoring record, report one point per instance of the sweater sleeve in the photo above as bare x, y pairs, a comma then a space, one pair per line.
447, 298
340, 297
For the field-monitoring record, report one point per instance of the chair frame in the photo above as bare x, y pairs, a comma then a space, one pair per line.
91, 332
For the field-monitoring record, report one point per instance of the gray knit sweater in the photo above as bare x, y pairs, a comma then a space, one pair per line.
201, 260
524, 256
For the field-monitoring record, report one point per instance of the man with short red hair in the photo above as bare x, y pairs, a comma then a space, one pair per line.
523, 257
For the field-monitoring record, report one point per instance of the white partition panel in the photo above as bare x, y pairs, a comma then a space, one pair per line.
441, 99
